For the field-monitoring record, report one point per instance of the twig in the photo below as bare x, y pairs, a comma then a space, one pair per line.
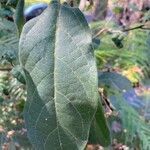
105, 100
5, 69
145, 28
104, 30
124, 30
137, 27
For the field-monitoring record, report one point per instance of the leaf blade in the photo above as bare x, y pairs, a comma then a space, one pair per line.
55, 52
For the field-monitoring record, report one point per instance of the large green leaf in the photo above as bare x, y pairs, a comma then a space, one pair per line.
61, 77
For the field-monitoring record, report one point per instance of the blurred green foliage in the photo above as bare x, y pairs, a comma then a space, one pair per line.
128, 125
124, 51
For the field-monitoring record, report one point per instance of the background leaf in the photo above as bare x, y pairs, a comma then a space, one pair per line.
19, 16
98, 132
18, 73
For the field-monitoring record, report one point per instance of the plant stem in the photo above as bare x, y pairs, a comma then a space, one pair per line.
106, 30
137, 27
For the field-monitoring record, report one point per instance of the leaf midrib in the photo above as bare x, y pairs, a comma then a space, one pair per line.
55, 41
